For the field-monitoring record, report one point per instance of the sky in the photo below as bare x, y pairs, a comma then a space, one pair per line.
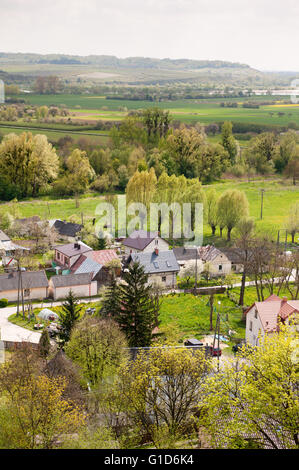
261, 33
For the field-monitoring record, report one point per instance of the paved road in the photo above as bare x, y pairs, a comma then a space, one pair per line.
15, 333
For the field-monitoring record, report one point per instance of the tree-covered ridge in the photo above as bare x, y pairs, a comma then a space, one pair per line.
113, 61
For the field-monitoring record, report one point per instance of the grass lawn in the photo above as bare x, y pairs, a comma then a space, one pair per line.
279, 196
25, 323
189, 315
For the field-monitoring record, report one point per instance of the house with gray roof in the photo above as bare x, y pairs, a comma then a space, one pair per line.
33, 284
185, 256
141, 241
67, 231
218, 262
80, 284
161, 266
86, 265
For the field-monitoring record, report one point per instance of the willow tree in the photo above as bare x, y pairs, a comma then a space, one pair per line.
141, 188
29, 162
211, 209
232, 206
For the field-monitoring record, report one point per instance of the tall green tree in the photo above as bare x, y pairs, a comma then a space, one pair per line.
232, 206
137, 314
68, 316
254, 403
111, 302
228, 141
28, 162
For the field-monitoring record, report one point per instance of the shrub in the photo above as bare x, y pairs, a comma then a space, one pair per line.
3, 303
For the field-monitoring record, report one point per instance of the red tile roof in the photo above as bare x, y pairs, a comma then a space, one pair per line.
102, 257
273, 308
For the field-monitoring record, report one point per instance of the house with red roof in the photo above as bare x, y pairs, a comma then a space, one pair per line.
97, 263
265, 317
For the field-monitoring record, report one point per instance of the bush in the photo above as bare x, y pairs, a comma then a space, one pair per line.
3, 303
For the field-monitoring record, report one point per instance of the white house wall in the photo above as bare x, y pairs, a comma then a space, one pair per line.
252, 337
79, 291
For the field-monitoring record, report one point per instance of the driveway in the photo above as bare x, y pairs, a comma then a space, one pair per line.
15, 333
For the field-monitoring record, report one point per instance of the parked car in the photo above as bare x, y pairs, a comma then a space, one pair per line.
246, 347
214, 352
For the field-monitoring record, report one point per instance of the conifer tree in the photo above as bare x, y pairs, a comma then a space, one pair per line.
111, 302
68, 316
137, 312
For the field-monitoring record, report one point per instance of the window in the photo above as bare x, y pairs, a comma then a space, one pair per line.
250, 326
156, 264
255, 313
57, 254
234, 267
168, 264
163, 278
26, 292
220, 267
156, 242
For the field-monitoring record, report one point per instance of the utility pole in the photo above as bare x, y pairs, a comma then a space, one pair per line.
196, 271
262, 202
217, 331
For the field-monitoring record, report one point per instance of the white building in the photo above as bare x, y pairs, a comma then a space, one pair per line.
264, 317
141, 241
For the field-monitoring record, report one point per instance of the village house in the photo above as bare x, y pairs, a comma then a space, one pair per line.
141, 241
186, 257
67, 255
264, 317
235, 256
8, 248
81, 285
161, 266
34, 285
67, 231
104, 258
219, 264
85, 265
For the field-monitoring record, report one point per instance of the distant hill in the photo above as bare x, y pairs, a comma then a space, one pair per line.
115, 62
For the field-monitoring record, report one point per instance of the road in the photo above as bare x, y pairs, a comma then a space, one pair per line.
15, 333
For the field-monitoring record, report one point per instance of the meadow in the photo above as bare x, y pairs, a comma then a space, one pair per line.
195, 110
278, 198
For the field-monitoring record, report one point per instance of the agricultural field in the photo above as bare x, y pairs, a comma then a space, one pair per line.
89, 108
53, 135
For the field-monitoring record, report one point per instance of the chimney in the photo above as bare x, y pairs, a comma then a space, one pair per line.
156, 251
284, 300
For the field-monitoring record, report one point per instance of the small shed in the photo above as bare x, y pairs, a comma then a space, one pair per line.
193, 342
48, 315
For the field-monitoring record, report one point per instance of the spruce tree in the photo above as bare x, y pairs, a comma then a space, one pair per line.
111, 303
137, 312
68, 316
101, 242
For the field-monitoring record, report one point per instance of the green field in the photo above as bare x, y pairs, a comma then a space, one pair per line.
97, 137
278, 199
194, 110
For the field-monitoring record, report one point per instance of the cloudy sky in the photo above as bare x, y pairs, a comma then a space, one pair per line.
261, 33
